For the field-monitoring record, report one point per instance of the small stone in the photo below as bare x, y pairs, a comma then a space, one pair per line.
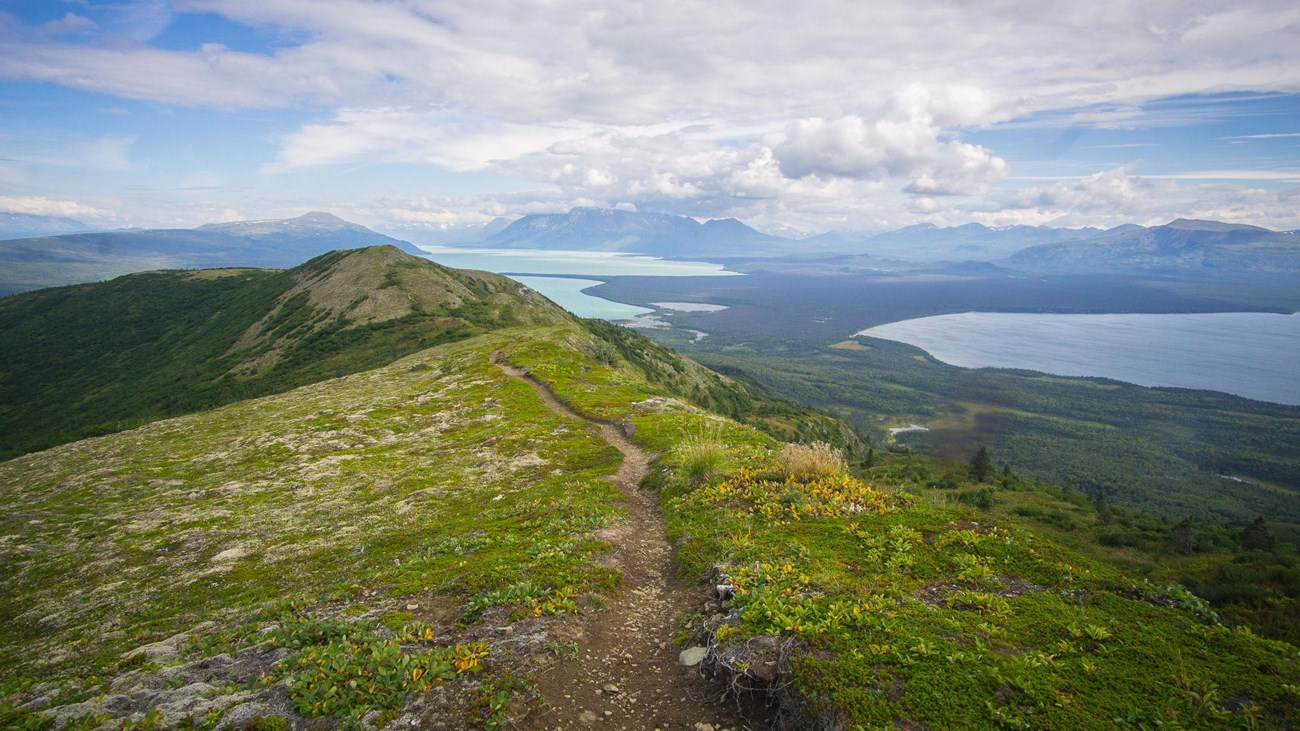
412, 607
693, 656
611, 688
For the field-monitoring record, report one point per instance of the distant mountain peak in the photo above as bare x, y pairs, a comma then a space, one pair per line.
320, 217
645, 232
1194, 224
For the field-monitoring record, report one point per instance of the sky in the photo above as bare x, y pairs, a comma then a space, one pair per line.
418, 116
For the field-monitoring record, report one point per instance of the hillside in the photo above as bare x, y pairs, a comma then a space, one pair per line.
456, 538
1206, 249
96, 358
49, 261
927, 242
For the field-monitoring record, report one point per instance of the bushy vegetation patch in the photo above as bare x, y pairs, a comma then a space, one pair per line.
863, 604
347, 670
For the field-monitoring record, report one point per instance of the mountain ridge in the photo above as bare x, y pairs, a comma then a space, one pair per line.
33, 263
1181, 247
608, 229
95, 358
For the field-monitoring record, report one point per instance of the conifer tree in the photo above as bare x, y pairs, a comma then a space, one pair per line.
981, 466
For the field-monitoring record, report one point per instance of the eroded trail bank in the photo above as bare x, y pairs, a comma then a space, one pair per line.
626, 674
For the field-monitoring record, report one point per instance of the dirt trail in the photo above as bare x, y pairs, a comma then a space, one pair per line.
627, 675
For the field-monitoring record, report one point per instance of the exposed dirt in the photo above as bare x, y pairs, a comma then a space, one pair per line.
627, 674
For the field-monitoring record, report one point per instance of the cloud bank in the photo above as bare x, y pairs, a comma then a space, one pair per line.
831, 112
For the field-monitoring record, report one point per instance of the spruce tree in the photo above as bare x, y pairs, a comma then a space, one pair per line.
981, 466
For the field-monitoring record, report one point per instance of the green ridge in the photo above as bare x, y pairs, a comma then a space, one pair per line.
93, 359
352, 544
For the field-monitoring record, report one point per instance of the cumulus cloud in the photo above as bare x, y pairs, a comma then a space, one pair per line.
846, 112
905, 148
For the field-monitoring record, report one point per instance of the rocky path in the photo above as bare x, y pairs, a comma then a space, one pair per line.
627, 674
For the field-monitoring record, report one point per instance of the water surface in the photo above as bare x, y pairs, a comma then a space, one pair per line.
1252, 354
589, 263
567, 293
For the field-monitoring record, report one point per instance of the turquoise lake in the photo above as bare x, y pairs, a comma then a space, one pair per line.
566, 291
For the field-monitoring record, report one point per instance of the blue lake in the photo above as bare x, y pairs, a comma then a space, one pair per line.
1251, 354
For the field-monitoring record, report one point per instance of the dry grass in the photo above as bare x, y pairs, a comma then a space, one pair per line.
806, 461
701, 457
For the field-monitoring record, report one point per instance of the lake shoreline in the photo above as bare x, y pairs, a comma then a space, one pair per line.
1249, 354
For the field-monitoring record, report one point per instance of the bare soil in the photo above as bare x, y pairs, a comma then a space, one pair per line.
627, 674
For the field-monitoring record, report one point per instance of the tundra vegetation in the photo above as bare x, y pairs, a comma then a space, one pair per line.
348, 552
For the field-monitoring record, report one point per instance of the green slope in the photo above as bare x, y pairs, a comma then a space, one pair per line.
1172, 452
96, 358
410, 543
390, 521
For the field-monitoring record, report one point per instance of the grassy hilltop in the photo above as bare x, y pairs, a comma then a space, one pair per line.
95, 358
425, 541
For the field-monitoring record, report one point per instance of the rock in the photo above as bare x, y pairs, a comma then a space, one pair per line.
587, 717
611, 688
412, 607
703, 727
216, 661
236, 717
164, 652
692, 656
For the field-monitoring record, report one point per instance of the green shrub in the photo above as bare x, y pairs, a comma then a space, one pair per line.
981, 497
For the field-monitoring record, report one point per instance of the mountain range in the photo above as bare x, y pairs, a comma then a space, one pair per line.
1180, 248
658, 234
86, 257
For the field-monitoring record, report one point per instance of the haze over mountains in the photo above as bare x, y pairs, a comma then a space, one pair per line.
606, 229
1181, 248
29, 225
86, 257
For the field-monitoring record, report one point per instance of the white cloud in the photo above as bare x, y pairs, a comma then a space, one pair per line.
906, 149
453, 141
818, 114
38, 206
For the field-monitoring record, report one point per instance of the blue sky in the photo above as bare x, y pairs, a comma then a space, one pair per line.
421, 115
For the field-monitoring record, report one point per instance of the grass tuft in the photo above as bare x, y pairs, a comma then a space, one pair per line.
701, 457
809, 461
